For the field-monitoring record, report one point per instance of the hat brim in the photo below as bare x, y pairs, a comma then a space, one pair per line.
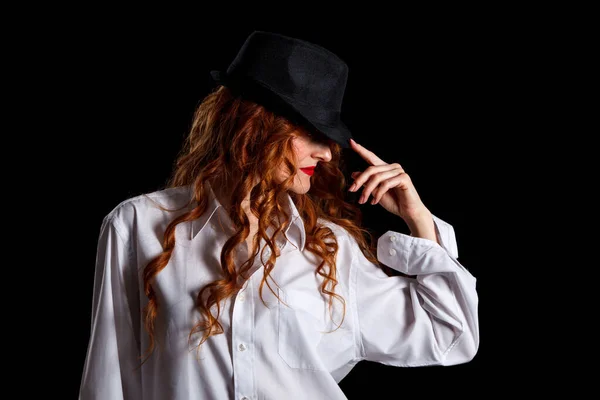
262, 94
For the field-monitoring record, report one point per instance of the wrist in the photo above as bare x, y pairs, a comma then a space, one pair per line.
421, 225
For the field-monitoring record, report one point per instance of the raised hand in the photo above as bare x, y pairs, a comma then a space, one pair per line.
390, 186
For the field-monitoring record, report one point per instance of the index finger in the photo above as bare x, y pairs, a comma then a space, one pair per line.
368, 155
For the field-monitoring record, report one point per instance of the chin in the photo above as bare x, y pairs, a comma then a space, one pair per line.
301, 187
299, 190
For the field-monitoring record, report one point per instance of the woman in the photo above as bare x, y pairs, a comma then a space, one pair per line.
249, 276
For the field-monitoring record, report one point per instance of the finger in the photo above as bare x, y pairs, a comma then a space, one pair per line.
361, 178
368, 155
376, 180
399, 180
357, 173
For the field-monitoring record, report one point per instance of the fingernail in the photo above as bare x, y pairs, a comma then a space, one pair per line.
352, 187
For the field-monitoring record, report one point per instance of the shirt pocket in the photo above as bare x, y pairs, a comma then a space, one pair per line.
301, 327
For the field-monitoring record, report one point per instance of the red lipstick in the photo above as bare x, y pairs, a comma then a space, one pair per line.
308, 171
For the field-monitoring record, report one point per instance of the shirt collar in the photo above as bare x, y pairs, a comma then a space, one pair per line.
295, 231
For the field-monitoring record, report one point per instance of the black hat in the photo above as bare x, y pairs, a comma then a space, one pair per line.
300, 80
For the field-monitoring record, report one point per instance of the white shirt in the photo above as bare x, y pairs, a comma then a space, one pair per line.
274, 352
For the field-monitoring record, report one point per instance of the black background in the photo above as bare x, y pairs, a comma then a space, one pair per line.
436, 95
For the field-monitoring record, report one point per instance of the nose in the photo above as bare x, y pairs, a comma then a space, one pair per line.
322, 151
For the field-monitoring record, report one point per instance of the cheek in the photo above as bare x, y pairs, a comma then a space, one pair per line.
302, 152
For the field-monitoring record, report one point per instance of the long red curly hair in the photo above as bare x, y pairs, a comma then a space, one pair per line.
237, 142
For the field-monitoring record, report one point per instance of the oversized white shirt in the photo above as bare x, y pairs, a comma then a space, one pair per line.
277, 351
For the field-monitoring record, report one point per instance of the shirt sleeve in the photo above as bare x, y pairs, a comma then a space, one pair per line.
428, 318
111, 369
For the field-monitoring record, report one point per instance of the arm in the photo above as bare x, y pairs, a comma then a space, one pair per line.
429, 318
111, 369
422, 225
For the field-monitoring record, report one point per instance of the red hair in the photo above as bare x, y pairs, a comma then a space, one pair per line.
238, 144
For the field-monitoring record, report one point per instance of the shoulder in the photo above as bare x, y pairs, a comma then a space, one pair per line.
148, 209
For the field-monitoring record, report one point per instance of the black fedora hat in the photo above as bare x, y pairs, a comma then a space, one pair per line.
301, 80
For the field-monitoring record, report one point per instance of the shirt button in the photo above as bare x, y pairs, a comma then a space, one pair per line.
241, 297
244, 398
392, 252
242, 347
393, 238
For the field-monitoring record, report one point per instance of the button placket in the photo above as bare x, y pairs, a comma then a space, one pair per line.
242, 334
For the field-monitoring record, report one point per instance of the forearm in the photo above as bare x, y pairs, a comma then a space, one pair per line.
422, 226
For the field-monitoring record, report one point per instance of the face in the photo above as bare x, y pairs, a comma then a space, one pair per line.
310, 149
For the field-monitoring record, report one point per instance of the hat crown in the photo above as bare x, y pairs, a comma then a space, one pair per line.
294, 68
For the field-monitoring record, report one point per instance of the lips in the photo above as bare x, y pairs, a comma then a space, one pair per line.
308, 171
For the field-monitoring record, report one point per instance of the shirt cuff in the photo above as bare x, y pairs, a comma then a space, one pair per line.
400, 251
446, 236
